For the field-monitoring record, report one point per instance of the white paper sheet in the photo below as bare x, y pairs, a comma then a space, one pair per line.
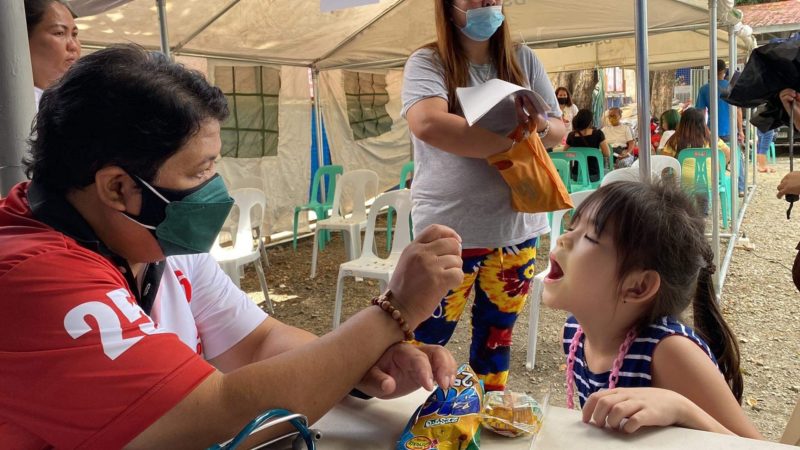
333, 5
485, 99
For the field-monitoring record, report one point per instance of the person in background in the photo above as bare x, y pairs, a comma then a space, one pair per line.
120, 330
620, 139
764, 141
633, 260
586, 135
723, 110
455, 186
668, 122
53, 41
568, 109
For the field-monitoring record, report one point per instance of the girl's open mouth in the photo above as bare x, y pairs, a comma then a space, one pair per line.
556, 273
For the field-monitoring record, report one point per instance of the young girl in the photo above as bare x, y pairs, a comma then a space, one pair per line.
634, 258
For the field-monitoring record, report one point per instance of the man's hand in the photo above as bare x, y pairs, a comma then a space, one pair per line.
404, 367
791, 99
790, 184
428, 268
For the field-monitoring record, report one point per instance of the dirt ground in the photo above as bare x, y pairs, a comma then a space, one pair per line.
759, 301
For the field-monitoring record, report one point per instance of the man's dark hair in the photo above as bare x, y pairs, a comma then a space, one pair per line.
721, 66
35, 9
120, 106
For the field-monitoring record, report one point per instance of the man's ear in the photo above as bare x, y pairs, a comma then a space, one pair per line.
116, 189
640, 286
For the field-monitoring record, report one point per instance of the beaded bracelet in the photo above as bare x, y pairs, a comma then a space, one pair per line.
385, 303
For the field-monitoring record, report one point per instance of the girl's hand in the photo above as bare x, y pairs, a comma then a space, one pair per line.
790, 184
628, 409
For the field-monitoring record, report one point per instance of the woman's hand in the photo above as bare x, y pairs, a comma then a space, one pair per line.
628, 409
527, 115
428, 268
790, 184
791, 99
405, 367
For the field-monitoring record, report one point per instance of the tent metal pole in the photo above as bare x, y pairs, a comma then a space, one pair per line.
205, 25
16, 95
733, 134
161, 5
713, 98
318, 121
643, 89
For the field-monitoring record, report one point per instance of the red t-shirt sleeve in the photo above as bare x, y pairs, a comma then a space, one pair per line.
82, 365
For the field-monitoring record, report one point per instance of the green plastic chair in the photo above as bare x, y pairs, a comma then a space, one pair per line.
320, 208
580, 156
562, 166
700, 183
405, 177
771, 153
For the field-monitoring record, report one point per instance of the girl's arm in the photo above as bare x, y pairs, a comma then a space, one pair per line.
604, 148
687, 390
681, 366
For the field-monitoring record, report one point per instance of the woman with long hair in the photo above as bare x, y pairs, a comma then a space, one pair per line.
455, 186
692, 132
568, 109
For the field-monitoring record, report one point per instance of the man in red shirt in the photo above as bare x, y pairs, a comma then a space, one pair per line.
107, 294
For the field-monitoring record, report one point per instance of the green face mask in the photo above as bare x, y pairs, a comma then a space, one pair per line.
184, 222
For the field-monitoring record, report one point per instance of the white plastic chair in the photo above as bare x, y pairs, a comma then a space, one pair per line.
659, 163
361, 185
370, 265
624, 174
538, 281
245, 249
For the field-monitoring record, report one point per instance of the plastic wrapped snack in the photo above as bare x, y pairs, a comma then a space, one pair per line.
511, 413
448, 420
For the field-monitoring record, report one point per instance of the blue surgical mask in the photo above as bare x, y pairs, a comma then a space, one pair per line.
184, 222
482, 23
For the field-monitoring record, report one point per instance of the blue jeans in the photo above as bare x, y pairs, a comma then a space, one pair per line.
739, 161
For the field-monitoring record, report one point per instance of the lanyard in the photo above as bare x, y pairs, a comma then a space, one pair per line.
613, 377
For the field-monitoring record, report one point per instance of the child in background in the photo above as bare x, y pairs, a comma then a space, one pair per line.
634, 258
619, 138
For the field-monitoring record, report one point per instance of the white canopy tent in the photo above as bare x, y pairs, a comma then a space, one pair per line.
379, 37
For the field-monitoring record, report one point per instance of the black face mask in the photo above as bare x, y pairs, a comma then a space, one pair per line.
562, 100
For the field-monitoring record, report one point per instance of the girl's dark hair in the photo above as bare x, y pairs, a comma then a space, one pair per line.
582, 120
121, 106
569, 96
656, 227
691, 132
671, 117
35, 9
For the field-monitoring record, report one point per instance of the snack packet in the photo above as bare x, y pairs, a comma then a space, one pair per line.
448, 420
511, 413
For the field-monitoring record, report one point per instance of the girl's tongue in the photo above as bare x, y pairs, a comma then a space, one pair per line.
555, 270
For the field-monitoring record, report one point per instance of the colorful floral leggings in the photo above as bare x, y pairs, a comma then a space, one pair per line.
501, 286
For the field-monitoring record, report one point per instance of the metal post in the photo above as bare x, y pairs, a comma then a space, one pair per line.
713, 98
161, 5
318, 120
749, 148
16, 95
643, 89
733, 137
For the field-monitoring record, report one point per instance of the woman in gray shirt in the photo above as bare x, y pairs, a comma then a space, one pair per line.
455, 186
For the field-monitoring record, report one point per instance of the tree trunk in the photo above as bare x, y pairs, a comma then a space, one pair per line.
580, 84
662, 91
